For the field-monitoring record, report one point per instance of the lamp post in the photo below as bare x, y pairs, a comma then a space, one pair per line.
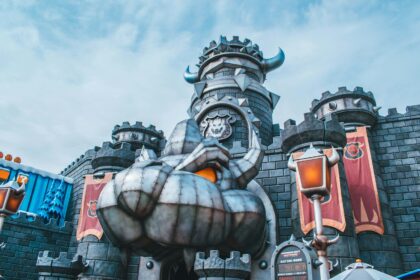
313, 171
11, 196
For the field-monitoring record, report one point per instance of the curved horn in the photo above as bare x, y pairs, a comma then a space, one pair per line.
190, 77
276, 61
334, 240
246, 168
291, 163
334, 158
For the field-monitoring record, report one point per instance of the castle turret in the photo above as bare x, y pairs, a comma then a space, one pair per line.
127, 139
353, 108
229, 97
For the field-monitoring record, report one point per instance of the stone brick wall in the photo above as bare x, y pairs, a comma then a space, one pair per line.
274, 177
396, 140
25, 237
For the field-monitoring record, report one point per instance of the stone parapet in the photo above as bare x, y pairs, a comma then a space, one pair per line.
353, 107
59, 268
325, 132
113, 157
139, 135
235, 267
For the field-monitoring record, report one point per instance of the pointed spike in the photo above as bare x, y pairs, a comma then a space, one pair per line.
356, 102
332, 105
274, 99
199, 88
243, 102
242, 81
239, 71
376, 109
306, 242
257, 122
292, 237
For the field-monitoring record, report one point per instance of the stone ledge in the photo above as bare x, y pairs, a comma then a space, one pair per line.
311, 130
61, 266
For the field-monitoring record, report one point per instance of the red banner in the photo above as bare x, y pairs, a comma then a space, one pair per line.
362, 183
331, 207
88, 221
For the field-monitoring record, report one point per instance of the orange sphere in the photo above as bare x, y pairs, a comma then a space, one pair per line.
8, 157
17, 160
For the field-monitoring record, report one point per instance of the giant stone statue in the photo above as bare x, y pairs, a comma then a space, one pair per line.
191, 197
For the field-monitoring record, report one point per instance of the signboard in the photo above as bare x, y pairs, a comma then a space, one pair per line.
291, 264
292, 260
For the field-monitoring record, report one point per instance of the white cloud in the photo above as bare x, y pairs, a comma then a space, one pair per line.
69, 74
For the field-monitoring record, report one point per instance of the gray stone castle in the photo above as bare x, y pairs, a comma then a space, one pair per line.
229, 101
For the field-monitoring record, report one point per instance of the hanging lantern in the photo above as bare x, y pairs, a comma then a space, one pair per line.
11, 196
313, 170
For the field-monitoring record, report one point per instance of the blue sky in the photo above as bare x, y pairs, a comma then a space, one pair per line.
71, 70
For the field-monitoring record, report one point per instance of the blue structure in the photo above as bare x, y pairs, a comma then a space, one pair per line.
47, 194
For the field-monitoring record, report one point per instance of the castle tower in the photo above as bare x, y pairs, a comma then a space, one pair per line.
128, 140
229, 97
322, 134
355, 109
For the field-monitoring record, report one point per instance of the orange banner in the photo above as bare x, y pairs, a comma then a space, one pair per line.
331, 207
362, 183
88, 221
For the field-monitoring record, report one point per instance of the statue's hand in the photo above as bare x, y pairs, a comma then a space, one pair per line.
209, 152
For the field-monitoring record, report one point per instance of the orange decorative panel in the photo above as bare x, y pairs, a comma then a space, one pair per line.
208, 173
4, 174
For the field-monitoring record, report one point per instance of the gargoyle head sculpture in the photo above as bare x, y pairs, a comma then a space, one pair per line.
194, 197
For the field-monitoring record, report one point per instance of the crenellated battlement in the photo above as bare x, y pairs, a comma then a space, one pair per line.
87, 156
353, 107
236, 266
236, 55
137, 126
393, 113
324, 132
138, 136
61, 267
116, 156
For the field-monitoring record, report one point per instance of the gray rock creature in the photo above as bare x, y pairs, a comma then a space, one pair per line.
194, 197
